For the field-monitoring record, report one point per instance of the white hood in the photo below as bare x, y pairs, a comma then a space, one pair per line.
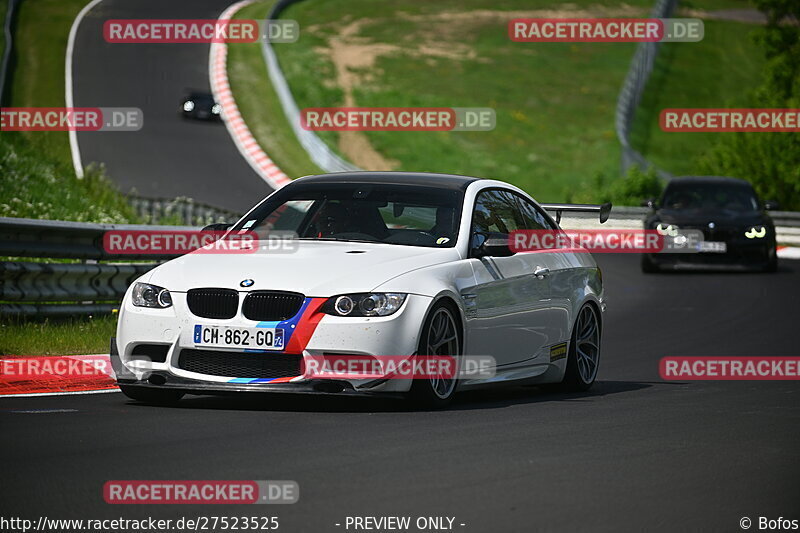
315, 268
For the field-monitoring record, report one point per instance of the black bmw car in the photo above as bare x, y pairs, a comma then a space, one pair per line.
737, 231
200, 106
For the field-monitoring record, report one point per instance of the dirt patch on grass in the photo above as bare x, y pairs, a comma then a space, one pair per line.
439, 36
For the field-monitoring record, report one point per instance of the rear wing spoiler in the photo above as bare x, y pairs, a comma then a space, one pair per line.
604, 210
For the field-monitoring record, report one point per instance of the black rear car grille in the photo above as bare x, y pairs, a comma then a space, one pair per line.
213, 303
241, 365
272, 305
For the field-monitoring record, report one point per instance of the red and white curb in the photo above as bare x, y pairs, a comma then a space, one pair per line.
788, 252
240, 133
55, 375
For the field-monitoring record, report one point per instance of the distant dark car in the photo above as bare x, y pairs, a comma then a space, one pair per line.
737, 231
200, 106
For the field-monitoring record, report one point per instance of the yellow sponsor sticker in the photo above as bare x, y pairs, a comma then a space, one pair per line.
558, 351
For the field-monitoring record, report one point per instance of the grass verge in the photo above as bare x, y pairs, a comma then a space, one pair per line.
554, 101
37, 178
717, 72
71, 337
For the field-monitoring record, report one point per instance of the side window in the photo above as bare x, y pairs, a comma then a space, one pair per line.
497, 211
534, 217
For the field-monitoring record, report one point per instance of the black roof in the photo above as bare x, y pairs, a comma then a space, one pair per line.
427, 179
709, 180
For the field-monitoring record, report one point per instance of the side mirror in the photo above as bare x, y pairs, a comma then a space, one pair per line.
490, 245
771, 205
217, 227
650, 202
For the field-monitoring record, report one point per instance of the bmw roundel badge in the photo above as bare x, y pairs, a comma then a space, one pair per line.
247, 283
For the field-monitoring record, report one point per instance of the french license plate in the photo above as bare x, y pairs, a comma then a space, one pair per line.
712, 247
232, 337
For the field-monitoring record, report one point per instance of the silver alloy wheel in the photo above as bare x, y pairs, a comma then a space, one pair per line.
587, 344
442, 340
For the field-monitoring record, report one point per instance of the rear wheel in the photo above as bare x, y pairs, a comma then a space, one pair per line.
440, 336
583, 357
151, 396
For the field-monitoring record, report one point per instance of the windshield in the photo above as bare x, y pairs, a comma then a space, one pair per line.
710, 197
392, 214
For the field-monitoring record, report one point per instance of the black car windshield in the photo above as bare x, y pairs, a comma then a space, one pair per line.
394, 214
709, 197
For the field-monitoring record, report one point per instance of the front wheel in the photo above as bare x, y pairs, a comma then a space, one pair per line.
583, 358
440, 337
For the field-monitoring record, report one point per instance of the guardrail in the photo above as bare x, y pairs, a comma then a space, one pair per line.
62, 288
631, 93
321, 154
787, 223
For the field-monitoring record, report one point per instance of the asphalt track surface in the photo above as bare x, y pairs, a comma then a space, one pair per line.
634, 453
170, 156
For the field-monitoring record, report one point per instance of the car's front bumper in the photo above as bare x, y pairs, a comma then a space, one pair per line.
739, 256
395, 335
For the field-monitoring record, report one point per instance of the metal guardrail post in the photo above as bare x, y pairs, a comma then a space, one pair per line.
8, 41
630, 94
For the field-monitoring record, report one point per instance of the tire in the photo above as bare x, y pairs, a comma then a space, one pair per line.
648, 267
151, 396
583, 357
772, 262
441, 335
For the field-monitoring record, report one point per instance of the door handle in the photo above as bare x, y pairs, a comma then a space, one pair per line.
541, 272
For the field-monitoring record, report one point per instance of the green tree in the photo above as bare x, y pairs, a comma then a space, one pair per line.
770, 161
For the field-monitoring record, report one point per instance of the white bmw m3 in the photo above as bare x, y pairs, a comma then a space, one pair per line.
382, 264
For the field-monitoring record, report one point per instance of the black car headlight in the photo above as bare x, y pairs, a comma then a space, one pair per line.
365, 304
667, 229
146, 295
188, 106
756, 232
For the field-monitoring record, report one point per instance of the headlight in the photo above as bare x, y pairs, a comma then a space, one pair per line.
216, 109
146, 295
667, 229
365, 304
188, 106
756, 232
